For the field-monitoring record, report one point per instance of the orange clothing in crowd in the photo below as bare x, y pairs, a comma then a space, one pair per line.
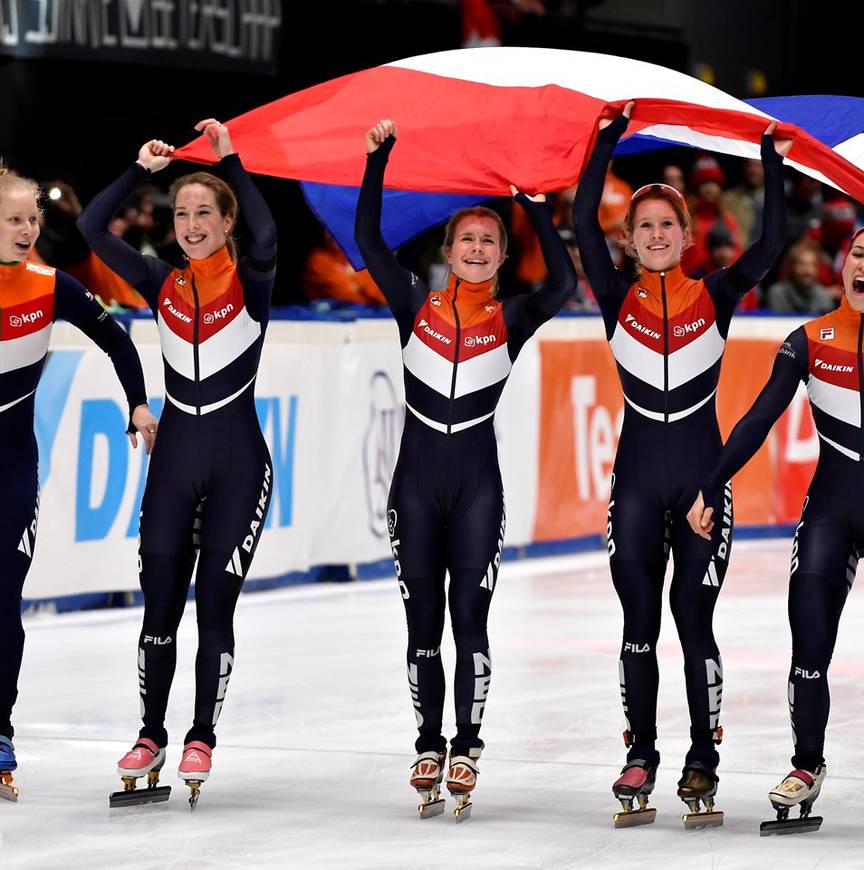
329, 275
105, 284
614, 204
530, 265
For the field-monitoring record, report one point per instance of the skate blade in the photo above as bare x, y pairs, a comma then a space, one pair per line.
707, 819
463, 811
430, 809
139, 796
631, 818
790, 826
195, 791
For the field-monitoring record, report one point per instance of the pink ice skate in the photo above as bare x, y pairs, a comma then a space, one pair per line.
145, 758
195, 767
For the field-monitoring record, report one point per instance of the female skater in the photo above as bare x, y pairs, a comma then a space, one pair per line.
210, 479
446, 507
826, 355
32, 297
667, 333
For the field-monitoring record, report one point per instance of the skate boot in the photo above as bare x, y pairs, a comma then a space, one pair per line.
801, 788
698, 785
461, 780
145, 758
635, 783
195, 767
426, 775
8, 763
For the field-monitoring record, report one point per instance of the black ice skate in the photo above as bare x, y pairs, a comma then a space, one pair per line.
697, 786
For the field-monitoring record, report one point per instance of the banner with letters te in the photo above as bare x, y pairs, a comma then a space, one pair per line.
239, 35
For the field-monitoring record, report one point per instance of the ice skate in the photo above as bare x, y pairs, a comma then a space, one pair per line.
800, 788
635, 784
461, 780
697, 786
145, 758
426, 775
8, 791
195, 767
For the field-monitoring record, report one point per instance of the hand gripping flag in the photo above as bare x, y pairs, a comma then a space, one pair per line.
473, 121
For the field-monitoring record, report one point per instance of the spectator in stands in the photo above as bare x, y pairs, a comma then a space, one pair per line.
329, 275
61, 245
744, 201
837, 225
674, 176
707, 180
803, 205
583, 297
800, 291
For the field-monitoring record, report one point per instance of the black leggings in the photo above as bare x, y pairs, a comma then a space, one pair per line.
208, 491
446, 514
824, 560
648, 518
19, 496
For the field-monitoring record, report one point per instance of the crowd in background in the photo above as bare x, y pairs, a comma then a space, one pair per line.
726, 217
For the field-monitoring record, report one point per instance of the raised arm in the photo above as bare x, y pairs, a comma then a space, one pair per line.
548, 301
257, 268
596, 261
752, 266
144, 273
396, 283
790, 368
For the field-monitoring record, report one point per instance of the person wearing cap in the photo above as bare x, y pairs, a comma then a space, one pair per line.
825, 354
668, 332
707, 180
800, 291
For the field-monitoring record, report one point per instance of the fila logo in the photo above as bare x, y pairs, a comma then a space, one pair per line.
830, 367
634, 323
213, 316
637, 648
429, 331
157, 641
807, 675
476, 340
826, 334
178, 314
22, 320
427, 653
687, 328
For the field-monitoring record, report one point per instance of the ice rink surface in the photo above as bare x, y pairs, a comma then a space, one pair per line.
317, 736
